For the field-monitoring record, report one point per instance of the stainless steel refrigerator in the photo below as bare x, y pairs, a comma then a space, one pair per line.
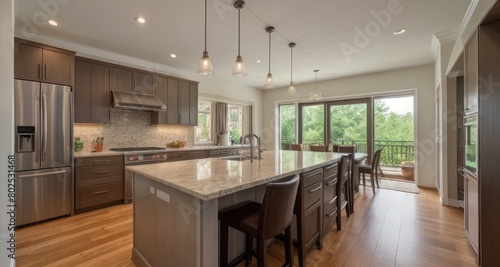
43, 150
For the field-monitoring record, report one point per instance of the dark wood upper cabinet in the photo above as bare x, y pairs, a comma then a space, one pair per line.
181, 98
122, 79
38, 62
471, 76
130, 80
92, 92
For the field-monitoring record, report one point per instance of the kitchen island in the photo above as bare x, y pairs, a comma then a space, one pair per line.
176, 204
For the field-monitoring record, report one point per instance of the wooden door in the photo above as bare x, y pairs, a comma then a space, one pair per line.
184, 103
471, 74
57, 67
121, 79
143, 83
172, 101
160, 91
101, 95
193, 104
83, 91
28, 62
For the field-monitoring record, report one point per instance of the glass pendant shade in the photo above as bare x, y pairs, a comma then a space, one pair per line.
239, 69
315, 94
269, 83
291, 89
205, 67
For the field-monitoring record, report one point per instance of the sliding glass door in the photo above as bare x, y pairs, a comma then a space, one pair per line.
312, 124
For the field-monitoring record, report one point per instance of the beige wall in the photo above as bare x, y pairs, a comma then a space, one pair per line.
419, 78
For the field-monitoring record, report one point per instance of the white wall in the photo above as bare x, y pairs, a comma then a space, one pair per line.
6, 119
419, 78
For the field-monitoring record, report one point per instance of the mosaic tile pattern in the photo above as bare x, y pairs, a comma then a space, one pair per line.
130, 129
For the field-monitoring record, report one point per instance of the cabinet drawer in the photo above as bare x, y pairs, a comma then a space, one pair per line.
312, 194
88, 176
96, 161
329, 190
330, 205
329, 216
197, 154
97, 195
218, 153
176, 156
311, 227
331, 170
309, 178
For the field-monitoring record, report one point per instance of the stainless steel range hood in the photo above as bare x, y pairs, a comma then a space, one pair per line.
127, 100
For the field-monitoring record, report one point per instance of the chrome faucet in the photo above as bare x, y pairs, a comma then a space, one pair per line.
250, 137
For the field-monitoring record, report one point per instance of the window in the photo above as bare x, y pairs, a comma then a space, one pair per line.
235, 122
203, 132
287, 126
312, 124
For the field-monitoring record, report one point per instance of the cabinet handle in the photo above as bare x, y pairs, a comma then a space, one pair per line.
331, 214
101, 192
99, 173
102, 161
311, 174
333, 200
39, 70
332, 182
473, 106
467, 108
329, 167
45, 71
179, 118
315, 189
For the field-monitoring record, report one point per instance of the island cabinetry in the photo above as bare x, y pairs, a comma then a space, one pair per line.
330, 196
309, 213
98, 182
218, 153
177, 156
131, 80
38, 62
197, 154
92, 91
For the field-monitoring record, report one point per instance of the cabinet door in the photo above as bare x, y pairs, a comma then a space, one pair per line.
143, 83
471, 74
101, 95
121, 79
472, 211
83, 91
172, 101
193, 104
184, 103
57, 67
160, 91
28, 62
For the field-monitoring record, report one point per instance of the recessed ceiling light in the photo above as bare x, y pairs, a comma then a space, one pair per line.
400, 31
52, 22
173, 55
257, 61
140, 20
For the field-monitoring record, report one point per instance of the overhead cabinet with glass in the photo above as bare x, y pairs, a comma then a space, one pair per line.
38, 62
181, 98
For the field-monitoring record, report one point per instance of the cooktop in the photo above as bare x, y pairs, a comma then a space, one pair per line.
137, 148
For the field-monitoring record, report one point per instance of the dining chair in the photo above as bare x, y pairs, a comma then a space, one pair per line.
296, 147
262, 221
343, 196
346, 149
371, 169
335, 148
318, 148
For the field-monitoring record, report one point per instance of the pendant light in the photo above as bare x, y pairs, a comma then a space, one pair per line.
291, 89
269, 83
315, 94
205, 67
239, 69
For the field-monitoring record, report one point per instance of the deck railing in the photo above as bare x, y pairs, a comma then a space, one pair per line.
393, 153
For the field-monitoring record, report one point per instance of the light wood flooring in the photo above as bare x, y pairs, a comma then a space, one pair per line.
391, 228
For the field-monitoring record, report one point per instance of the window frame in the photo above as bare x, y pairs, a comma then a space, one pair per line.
211, 119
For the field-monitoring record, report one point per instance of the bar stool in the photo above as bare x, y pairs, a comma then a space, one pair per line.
262, 221
343, 189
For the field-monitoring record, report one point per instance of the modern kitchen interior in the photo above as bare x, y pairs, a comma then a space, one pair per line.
243, 133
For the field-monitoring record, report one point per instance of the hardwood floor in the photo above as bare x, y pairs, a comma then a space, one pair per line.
390, 229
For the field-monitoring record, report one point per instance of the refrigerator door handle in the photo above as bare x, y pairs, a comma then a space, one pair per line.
37, 110
44, 131
41, 174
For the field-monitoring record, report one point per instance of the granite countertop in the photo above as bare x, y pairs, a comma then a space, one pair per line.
211, 178
168, 149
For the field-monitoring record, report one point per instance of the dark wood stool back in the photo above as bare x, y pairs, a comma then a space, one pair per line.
318, 148
296, 147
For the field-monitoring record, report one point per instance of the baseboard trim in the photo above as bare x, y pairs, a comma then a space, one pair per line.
138, 259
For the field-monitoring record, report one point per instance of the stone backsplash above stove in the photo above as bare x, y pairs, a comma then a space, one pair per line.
131, 129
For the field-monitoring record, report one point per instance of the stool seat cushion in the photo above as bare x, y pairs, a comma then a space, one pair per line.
244, 216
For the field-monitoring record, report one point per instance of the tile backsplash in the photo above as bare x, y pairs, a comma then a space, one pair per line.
132, 129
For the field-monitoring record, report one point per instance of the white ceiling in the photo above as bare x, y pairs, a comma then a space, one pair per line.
319, 27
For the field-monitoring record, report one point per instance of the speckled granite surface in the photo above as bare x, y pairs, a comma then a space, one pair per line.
212, 178
86, 154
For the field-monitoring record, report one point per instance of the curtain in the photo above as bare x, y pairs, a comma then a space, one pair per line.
247, 120
220, 118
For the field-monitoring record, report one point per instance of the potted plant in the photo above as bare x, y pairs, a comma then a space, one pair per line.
407, 168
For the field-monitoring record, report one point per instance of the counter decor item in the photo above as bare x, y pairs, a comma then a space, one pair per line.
176, 144
99, 144
78, 144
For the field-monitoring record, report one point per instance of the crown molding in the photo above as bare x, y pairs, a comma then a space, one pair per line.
468, 15
442, 38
